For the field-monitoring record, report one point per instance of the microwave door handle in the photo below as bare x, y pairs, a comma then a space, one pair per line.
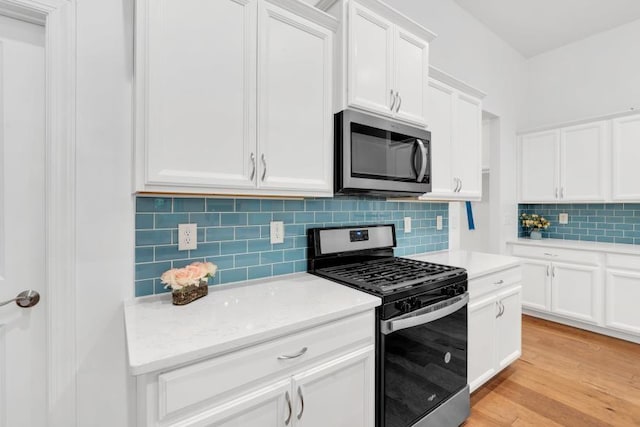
416, 319
423, 165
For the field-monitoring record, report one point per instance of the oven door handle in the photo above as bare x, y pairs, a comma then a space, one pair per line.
415, 319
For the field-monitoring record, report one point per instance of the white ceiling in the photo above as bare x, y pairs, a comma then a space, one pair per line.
536, 26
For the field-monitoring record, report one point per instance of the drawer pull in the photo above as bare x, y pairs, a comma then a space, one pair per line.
293, 356
548, 254
499, 282
288, 420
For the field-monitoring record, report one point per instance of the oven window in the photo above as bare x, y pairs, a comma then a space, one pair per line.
423, 366
380, 154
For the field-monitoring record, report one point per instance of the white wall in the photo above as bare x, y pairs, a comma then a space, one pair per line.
596, 76
469, 51
104, 208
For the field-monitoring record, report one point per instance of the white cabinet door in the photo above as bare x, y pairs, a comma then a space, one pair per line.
266, 407
576, 291
440, 108
467, 152
339, 393
481, 360
197, 90
294, 98
539, 166
622, 295
411, 65
370, 61
626, 152
509, 327
536, 284
583, 156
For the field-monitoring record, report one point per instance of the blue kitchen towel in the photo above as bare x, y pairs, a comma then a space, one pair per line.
472, 226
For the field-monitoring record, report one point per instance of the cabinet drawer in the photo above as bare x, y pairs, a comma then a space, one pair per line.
557, 254
631, 262
495, 281
219, 377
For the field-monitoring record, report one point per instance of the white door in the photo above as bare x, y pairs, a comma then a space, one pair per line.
626, 152
200, 93
622, 295
440, 113
467, 152
370, 61
481, 363
536, 284
411, 71
295, 123
576, 291
583, 159
539, 166
339, 393
509, 327
22, 223
266, 407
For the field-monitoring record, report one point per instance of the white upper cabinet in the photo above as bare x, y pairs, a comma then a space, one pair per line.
539, 155
383, 63
454, 114
295, 119
565, 165
233, 97
626, 152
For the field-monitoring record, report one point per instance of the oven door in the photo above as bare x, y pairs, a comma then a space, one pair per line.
423, 363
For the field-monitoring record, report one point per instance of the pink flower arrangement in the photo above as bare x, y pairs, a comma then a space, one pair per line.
194, 274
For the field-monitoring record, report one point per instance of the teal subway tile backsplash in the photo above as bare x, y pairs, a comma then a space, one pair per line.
234, 233
594, 222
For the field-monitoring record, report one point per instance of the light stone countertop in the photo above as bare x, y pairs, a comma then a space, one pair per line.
618, 248
477, 264
161, 335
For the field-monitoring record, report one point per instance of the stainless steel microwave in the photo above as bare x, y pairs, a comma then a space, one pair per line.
380, 157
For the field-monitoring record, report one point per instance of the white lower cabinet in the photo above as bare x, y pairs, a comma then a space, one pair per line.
317, 377
592, 288
622, 293
495, 325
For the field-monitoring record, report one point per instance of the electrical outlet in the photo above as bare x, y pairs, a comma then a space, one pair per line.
277, 232
439, 222
187, 237
407, 224
563, 218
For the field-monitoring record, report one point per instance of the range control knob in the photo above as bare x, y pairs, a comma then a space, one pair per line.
451, 291
404, 306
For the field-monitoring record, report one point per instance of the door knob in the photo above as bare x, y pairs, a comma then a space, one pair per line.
24, 299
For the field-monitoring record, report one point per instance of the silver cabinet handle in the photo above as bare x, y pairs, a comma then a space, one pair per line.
24, 299
399, 102
498, 307
423, 166
460, 189
548, 274
253, 164
288, 420
553, 271
556, 192
499, 282
562, 192
455, 190
393, 100
264, 170
301, 402
293, 356
552, 255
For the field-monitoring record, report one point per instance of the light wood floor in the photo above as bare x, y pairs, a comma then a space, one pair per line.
565, 377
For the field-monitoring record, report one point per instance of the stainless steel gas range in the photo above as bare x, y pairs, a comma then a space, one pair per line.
421, 326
